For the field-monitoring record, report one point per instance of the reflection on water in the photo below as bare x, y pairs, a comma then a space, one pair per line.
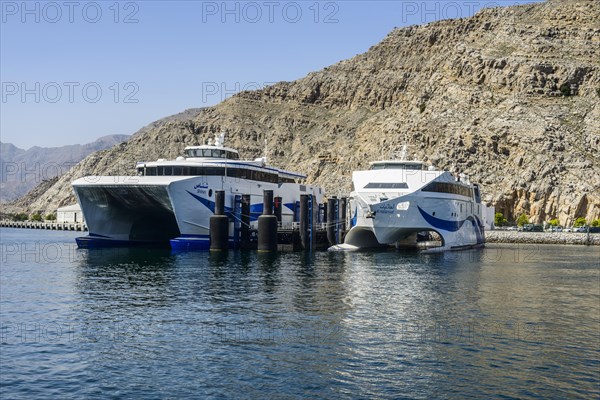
504, 321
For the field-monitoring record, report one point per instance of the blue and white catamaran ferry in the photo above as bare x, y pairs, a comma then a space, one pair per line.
396, 201
172, 201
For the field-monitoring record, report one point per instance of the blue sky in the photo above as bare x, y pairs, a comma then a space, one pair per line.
74, 71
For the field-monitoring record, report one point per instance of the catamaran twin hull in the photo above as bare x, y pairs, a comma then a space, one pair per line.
130, 210
398, 221
397, 202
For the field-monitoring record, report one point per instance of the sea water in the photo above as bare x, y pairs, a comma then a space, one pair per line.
511, 321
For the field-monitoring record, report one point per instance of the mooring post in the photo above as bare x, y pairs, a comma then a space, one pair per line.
237, 215
337, 221
267, 225
331, 221
313, 213
245, 228
343, 212
278, 208
297, 211
219, 224
304, 221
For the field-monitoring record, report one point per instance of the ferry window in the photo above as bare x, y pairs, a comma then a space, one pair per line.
214, 171
186, 171
207, 153
161, 171
447, 187
286, 180
243, 173
477, 194
385, 185
151, 171
232, 172
408, 167
232, 155
140, 171
262, 176
177, 171
168, 171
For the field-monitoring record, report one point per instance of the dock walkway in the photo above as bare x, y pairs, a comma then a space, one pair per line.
57, 226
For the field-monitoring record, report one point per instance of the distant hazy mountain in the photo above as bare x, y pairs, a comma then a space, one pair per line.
21, 170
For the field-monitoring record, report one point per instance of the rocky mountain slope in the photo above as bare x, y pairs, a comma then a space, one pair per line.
510, 96
22, 170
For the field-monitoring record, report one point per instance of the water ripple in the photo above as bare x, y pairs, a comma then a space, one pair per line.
503, 322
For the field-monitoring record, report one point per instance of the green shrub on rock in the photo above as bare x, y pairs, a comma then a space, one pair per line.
580, 222
523, 220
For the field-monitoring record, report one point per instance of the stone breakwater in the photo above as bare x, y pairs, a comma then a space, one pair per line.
542, 237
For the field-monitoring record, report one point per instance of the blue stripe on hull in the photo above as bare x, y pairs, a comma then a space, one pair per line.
450, 226
193, 242
97, 241
454, 226
256, 210
189, 243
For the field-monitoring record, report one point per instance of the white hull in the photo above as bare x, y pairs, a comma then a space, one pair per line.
392, 206
391, 226
162, 208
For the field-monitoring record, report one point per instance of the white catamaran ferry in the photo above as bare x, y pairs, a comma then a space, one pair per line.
395, 200
172, 201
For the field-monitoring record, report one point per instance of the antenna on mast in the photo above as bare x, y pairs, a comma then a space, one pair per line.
220, 139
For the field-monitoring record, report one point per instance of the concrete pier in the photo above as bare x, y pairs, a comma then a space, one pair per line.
59, 226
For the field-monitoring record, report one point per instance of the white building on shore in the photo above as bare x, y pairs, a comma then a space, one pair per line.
69, 214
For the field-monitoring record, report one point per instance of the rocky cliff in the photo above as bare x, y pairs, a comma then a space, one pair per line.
510, 96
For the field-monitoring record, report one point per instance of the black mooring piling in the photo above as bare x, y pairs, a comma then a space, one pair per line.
219, 224
267, 225
304, 221
342, 218
277, 208
245, 228
331, 221
343, 211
